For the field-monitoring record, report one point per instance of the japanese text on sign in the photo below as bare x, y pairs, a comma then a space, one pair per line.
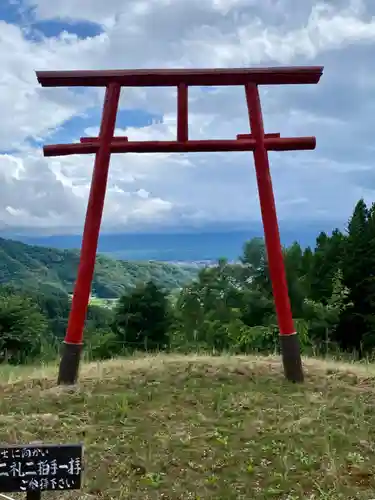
41, 467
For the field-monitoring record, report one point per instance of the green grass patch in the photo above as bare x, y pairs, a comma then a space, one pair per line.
200, 427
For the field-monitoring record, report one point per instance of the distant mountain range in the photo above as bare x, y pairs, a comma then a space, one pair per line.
189, 246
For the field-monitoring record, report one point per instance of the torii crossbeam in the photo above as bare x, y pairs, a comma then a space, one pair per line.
106, 144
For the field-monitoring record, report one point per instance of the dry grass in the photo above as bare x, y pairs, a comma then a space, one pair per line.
202, 427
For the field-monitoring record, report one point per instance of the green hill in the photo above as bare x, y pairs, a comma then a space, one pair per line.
41, 269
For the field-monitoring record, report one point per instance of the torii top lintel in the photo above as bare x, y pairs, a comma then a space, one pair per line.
175, 77
113, 80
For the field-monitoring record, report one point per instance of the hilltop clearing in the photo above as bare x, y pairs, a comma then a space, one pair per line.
202, 427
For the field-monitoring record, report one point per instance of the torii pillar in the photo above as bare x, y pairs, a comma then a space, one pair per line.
103, 146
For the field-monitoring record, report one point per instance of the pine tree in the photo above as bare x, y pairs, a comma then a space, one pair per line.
326, 262
294, 273
358, 266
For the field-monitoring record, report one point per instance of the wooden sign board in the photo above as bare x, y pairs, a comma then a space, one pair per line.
41, 467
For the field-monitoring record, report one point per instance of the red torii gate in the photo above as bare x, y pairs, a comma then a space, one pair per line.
103, 146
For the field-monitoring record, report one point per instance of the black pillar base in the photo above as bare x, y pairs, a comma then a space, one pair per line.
69, 364
291, 357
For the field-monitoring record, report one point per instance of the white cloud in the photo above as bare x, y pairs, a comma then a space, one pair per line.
53, 192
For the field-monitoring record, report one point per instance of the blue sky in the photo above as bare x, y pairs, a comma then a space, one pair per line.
50, 195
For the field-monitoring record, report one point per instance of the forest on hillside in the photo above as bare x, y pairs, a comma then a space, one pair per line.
227, 307
53, 272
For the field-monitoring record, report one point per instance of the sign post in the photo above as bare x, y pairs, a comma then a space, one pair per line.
33, 469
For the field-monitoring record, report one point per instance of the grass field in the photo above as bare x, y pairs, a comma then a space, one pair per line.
100, 302
195, 427
107, 303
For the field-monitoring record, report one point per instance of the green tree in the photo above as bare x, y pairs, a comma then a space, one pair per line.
23, 328
296, 279
143, 318
255, 264
322, 319
327, 259
207, 309
99, 317
356, 321
257, 307
101, 343
55, 305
